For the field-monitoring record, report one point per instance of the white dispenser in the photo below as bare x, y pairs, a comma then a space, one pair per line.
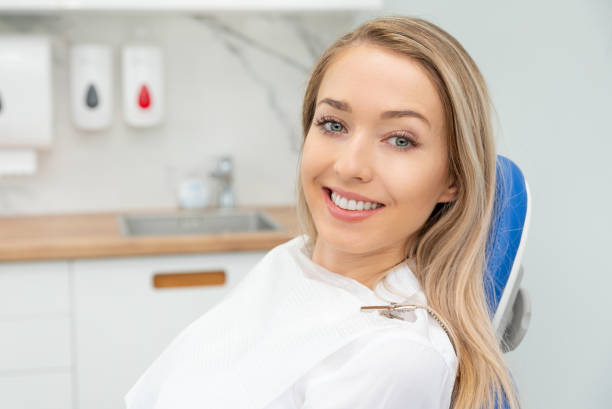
91, 86
25, 92
142, 72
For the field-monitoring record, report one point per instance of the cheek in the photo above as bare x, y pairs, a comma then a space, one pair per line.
415, 189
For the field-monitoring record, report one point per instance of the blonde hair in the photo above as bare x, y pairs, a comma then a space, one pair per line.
449, 249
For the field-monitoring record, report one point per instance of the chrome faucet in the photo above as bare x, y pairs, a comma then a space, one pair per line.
223, 173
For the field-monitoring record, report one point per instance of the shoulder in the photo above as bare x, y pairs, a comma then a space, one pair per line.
422, 329
403, 352
385, 369
401, 286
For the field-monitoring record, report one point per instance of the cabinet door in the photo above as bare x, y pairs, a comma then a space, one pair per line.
35, 326
36, 390
123, 322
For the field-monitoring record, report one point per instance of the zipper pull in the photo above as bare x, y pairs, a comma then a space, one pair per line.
386, 310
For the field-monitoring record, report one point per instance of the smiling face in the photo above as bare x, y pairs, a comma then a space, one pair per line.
394, 162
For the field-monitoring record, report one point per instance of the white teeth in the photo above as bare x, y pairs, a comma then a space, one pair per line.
347, 204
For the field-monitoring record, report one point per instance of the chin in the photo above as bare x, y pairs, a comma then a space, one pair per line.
348, 242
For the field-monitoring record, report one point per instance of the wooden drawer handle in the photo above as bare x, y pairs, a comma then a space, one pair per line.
190, 279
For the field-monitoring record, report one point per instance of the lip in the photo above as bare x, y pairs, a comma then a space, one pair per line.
353, 196
347, 215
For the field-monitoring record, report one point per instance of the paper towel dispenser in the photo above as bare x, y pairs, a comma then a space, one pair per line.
26, 105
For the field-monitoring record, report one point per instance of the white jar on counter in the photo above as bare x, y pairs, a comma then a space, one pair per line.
193, 193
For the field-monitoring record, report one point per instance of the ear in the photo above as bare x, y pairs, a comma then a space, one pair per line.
449, 194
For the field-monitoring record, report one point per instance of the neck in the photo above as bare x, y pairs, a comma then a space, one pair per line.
366, 268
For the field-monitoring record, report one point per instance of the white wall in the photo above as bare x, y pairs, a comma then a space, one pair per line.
549, 66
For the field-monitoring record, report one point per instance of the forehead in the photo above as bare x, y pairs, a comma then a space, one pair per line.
371, 78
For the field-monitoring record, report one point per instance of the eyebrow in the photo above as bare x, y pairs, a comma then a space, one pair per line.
343, 106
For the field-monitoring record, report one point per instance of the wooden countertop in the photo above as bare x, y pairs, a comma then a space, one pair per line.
94, 235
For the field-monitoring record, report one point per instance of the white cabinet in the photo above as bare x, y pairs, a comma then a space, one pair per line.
35, 335
122, 322
78, 334
36, 391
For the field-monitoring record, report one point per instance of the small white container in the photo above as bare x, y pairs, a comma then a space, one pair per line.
193, 193
142, 79
91, 86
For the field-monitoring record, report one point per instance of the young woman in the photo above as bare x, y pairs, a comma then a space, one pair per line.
396, 188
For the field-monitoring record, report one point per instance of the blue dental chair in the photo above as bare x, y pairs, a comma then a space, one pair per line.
509, 304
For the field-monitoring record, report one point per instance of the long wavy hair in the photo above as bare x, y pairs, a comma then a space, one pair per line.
449, 249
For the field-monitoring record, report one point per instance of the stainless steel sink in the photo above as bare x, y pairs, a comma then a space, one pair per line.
201, 222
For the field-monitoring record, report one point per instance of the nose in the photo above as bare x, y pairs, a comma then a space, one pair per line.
354, 160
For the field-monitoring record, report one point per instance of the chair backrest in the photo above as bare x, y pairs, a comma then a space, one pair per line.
509, 305
507, 237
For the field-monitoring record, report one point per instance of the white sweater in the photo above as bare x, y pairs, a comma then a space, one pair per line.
291, 334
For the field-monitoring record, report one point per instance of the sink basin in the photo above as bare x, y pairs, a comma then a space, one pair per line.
204, 222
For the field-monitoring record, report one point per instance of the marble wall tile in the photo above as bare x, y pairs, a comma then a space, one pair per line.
234, 85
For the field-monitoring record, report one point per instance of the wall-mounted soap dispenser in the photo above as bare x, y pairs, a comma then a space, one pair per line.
26, 100
142, 75
91, 86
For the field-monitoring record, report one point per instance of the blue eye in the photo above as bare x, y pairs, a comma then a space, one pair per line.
335, 126
400, 141
329, 125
